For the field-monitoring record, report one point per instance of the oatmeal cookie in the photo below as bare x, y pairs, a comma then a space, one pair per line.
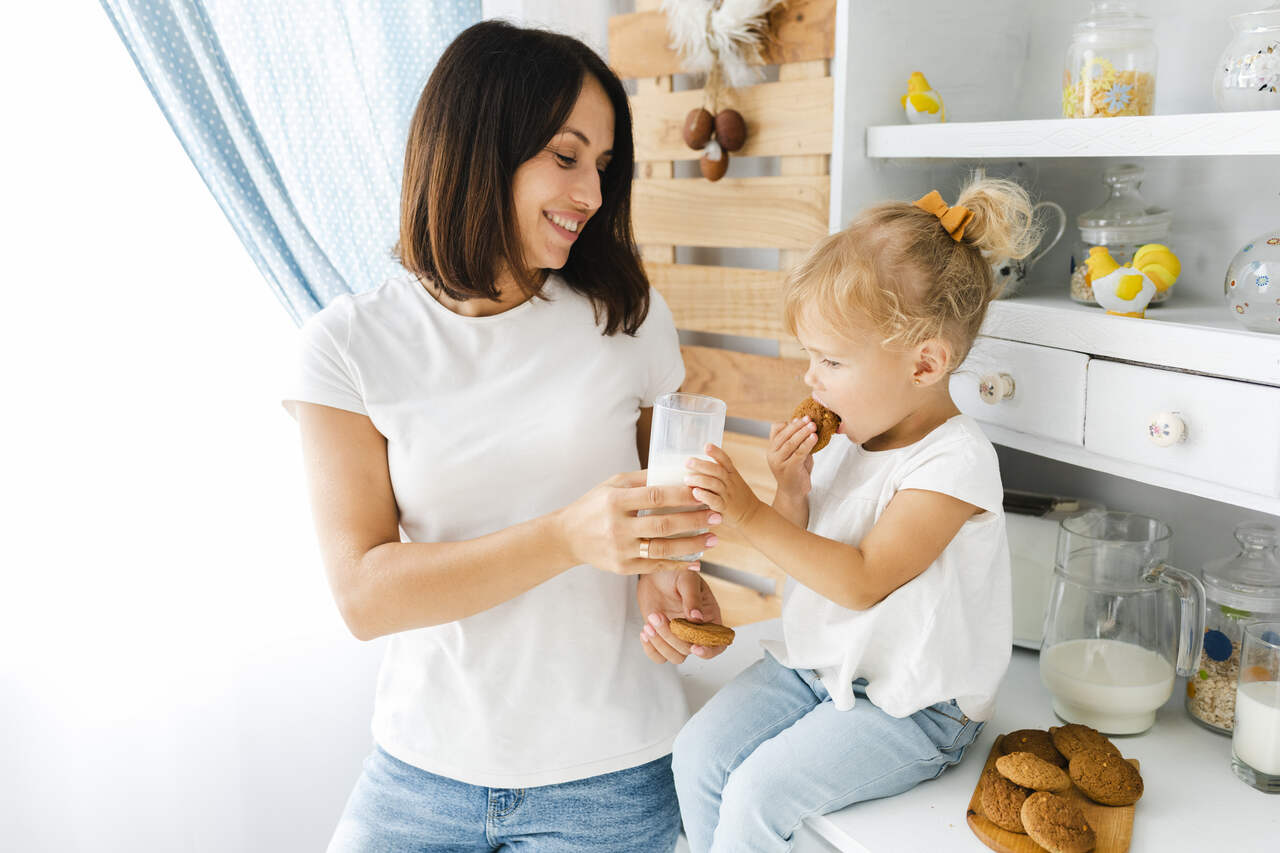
1002, 801
827, 420
1032, 771
1073, 737
702, 633
1057, 824
1035, 741
1105, 777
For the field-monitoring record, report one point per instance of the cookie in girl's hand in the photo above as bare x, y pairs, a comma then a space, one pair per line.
827, 421
702, 633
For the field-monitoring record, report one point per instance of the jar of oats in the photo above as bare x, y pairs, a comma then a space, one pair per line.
1111, 64
1244, 587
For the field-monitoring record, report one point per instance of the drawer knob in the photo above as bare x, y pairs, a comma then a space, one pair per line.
994, 387
1167, 429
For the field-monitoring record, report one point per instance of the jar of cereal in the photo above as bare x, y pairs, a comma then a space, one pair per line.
1111, 64
1244, 587
1123, 223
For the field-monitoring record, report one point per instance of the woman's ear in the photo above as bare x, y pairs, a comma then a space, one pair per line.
932, 359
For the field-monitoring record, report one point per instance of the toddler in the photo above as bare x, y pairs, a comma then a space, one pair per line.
896, 618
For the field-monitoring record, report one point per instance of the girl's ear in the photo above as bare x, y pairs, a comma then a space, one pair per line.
931, 361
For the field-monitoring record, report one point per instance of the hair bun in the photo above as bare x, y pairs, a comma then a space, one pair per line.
1003, 223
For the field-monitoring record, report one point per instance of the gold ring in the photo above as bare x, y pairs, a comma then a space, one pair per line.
644, 548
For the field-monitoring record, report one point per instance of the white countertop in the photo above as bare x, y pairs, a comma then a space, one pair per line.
1192, 800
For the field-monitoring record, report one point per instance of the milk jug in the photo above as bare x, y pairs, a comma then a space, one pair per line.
1121, 622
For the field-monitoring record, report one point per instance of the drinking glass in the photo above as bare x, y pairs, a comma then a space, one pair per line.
1255, 739
683, 425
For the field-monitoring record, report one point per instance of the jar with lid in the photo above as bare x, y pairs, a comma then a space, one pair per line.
1123, 223
1242, 588
1248, 72
1110, 64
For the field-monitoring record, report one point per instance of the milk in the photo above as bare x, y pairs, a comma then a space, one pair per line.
1113, 686
1256, 739
670, 470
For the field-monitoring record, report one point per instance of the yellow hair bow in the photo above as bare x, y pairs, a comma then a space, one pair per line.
954, 219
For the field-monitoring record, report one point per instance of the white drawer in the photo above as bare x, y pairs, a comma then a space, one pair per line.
1048, 388
1232, 428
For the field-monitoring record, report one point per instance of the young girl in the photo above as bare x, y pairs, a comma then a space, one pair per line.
897, 629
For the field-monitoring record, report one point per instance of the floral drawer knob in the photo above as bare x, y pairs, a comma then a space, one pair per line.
994, 387
1167, 429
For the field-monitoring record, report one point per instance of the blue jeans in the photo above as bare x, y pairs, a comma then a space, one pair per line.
770, 749
398, 807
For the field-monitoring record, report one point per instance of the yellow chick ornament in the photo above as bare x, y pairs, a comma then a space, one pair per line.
1127, 290
923, 105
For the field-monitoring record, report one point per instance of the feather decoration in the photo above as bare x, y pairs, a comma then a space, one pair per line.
720, 34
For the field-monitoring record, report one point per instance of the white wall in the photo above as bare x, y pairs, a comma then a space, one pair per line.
173, 673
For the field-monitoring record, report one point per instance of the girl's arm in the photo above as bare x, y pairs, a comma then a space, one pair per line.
911, 533
383, 585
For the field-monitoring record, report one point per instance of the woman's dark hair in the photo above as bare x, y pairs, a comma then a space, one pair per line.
495, 99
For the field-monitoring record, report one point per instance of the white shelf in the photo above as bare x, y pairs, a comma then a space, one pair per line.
1187, 334
1195, 135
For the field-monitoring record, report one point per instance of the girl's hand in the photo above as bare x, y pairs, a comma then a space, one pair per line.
664, 596
718, 484
603, 527
790, 455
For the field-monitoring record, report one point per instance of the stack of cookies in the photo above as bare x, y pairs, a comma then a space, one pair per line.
1022, 792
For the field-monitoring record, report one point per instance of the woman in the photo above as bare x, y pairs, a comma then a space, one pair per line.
475, 404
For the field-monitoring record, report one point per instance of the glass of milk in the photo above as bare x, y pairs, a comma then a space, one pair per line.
683, 425
1255, 739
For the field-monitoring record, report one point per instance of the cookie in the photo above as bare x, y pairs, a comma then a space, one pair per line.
828, 421
1032, 771
1057, 824
1073, 737
1035, 741
1105, 777
1002, 800
702, 633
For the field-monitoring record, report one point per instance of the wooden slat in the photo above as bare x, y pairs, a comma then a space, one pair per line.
742, 605
773, 212
758, 387
656, 87
802, 30
721, 300
783, 119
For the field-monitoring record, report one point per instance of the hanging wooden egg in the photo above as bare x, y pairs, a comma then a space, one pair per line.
731, 129
714, 162
698, 127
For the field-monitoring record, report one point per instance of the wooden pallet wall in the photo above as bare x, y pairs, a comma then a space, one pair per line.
790, 119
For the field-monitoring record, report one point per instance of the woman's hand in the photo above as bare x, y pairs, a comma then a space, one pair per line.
718, 484
603, 528
790, 456
664, 596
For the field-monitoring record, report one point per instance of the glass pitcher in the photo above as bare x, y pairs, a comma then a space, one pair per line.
1121, 622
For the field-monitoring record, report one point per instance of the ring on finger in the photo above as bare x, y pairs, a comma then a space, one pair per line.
644, 548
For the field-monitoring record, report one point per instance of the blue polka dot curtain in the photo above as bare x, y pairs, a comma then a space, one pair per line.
295, 113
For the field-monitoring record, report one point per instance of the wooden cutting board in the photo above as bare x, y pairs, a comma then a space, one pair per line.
1113, 825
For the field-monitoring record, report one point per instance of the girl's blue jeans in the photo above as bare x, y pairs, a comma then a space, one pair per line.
770, 749
398, 807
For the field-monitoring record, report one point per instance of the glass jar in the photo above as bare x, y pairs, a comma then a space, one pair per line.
1252, 284
1123, 223
1248, 73
1111, 64
1244, 587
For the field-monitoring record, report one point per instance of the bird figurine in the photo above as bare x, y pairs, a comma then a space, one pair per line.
923, 105
1127, 290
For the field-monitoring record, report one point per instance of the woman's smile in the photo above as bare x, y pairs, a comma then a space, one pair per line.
567, 225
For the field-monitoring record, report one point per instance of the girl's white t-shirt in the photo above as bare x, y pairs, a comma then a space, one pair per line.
947, 633
490, 422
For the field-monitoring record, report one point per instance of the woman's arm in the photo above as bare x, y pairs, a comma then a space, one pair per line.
912, 532
383, 585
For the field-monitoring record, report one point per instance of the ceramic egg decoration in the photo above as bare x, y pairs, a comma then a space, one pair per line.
1252, 285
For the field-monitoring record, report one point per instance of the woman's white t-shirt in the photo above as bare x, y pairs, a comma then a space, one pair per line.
947, 633
490, 422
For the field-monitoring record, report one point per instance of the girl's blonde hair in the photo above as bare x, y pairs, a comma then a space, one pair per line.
897, 269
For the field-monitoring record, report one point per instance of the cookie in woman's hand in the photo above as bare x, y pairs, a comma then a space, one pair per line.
702, 633
827, 421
